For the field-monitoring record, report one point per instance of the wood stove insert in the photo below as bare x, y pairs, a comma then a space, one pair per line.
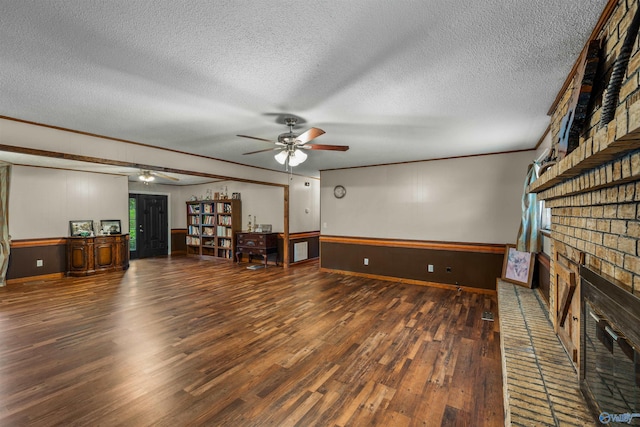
610, 345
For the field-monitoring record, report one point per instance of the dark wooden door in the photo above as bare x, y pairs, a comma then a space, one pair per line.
151, 225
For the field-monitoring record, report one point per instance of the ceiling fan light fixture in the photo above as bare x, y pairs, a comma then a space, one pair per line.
281, 157
146, 177
297, 157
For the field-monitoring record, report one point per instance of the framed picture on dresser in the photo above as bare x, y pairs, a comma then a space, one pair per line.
83, 227
110, 226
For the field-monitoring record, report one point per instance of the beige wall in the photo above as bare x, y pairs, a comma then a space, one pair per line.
80, 195
43, 138
43, 201
265, 202
471, 199
304, 204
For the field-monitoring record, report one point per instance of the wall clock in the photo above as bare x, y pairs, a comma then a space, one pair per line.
339, 191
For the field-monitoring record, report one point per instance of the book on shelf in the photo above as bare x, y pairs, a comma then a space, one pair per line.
193, 241
224, 253
224, 207
223, 231
224, 219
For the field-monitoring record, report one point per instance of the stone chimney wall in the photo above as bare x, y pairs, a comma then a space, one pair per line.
594, 192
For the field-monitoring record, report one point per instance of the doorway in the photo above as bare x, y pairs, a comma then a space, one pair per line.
148, 225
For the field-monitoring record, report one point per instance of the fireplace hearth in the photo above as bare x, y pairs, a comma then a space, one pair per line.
610, 345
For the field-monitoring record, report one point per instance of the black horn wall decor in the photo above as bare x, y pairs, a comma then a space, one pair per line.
619, 69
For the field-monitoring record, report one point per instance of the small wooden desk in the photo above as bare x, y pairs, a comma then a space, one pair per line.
263, 244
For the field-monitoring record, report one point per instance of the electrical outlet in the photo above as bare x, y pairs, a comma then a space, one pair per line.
39, 263
366, 261
430, 268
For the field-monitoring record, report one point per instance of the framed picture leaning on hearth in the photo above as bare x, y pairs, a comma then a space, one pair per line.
517, 266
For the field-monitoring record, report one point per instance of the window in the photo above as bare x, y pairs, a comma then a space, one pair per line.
545, 217
132, 224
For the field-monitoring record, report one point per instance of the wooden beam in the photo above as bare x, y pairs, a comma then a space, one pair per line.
417, 244
126, 141
120, 163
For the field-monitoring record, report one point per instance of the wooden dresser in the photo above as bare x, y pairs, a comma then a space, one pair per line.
262, 244
90, 255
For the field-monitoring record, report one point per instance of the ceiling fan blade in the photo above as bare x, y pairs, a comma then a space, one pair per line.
308, 135
255, 137
324, 147
161, 175
262, 151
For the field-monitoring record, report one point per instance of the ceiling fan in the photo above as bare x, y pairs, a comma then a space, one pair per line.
291, 146
147, 176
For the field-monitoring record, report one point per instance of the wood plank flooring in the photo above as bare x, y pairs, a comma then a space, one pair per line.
185, 341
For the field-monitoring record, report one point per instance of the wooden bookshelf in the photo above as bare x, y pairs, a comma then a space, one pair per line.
211, 227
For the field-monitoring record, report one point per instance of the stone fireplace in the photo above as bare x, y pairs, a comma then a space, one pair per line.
595, 270
594, 196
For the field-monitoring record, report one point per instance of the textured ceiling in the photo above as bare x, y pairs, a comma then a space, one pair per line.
395, 80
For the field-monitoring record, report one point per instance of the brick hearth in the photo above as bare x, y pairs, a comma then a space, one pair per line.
541, 386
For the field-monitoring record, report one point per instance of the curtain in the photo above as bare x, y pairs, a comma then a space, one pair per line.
529, 232
5, 239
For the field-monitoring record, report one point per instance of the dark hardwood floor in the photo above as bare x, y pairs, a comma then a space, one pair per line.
184, 341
